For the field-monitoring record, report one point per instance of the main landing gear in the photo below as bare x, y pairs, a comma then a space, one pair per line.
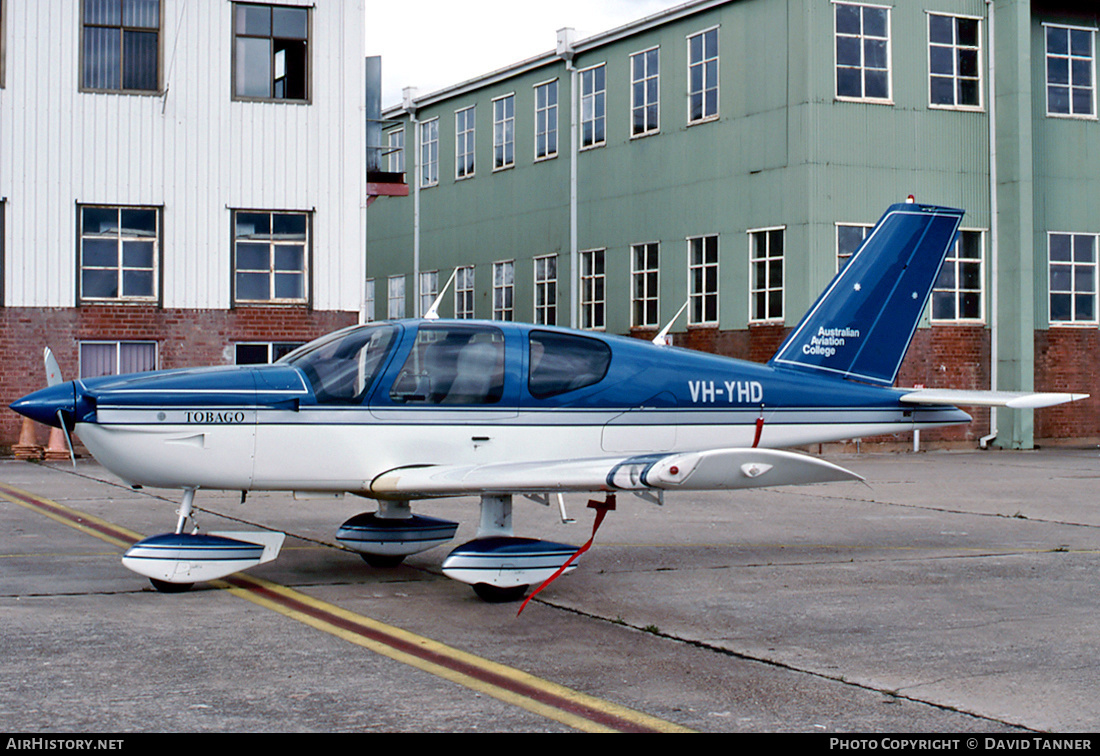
499, 566
174, 562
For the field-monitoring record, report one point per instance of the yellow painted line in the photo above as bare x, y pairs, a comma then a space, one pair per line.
507, 684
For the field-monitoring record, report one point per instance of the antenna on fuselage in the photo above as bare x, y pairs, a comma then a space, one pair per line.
433, 311
661, 339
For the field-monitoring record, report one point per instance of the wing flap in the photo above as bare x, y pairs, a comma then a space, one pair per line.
710, 470
977, 398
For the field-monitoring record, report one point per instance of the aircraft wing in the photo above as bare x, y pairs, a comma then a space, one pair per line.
710, 470
976, 398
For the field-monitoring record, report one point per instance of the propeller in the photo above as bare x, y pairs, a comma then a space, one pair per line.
53, 377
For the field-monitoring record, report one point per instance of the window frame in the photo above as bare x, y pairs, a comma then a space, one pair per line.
546, 283
396, 296
395, 150
122, 28
595, 98
504, 306
427, 289
651, 283
957, 289
1092, 115
368, 300
542, 125
428, 166
634, 106
158, 256
717, 88
465, 142
118, 344
237, 97
866, 227
504, 132
754, 291
1072, 292
701, 298
465, 293
272, 347
956, 76
889, 98
307, 260
593, 290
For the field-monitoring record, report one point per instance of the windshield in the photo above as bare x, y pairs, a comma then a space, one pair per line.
340, 367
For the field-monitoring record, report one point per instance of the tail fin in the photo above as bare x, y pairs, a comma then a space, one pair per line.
860, 328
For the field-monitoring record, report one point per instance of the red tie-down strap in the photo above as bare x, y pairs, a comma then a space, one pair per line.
602, 508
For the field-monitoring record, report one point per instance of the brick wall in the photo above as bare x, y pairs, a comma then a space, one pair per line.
185, 338
1068, 359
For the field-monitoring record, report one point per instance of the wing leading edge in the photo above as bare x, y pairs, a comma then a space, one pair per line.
710, 470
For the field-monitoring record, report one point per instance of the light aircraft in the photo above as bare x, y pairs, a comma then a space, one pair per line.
407, 410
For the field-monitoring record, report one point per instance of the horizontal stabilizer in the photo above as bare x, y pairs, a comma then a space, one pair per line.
710, 470
969, 398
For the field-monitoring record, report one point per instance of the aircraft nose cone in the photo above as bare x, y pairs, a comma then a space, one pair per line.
42, 405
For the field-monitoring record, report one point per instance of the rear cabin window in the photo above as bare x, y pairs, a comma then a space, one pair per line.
452, 365
562, 362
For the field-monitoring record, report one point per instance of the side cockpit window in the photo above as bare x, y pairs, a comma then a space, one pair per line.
562, 362
452, 364
341, 367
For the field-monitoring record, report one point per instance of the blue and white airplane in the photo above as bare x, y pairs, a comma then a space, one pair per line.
414, 409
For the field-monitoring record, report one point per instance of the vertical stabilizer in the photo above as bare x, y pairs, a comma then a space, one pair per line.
860, 328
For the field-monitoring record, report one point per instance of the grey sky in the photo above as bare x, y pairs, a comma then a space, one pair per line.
431, 44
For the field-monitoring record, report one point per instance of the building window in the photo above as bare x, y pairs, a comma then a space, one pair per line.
703, 279
119, 253
593, 106
546, 290
1072, 282
270, 257
546, 120
957, 295
98, 358
504, 132
504, 290
395, 151
849, 238
464, 293
395, 297
271, 52
121, 45
766, 275
593, 296
954, 62
1071, 70
262, 353
429, 153
644, 282
703, 76
464, 142
645, 92
368, 301
429, 290
862, 52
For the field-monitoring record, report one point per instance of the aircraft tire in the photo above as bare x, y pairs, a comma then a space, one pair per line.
491, 594
382, 560
163, 586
